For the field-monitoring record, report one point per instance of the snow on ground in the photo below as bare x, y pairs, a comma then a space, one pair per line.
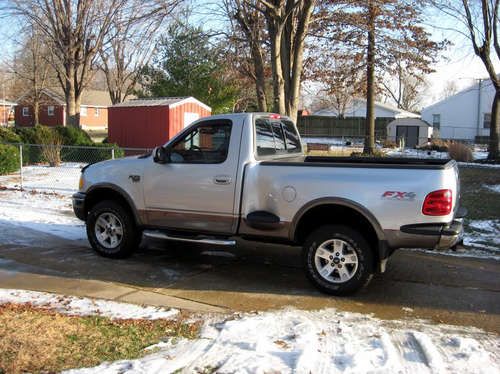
82, 306
44, 212
324, 341
62, 179
492, 187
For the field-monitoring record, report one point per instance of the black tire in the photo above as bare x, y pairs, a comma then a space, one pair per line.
361, 273
130, 238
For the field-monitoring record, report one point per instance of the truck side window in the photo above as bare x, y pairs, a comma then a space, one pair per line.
205, 144
292, 138
264, 138
279, 138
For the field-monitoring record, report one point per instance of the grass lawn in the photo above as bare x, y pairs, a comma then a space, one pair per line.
481, 202
38, 340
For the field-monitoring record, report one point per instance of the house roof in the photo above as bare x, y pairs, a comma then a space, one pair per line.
398, 113
409, 122
475, 86
89, 97
160, 101
5, 103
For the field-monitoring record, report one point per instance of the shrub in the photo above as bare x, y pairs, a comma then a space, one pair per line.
436, 145
9, 136
98, 152
9, 159
51, 142
389, 144
73, 136
460, 152
376, 153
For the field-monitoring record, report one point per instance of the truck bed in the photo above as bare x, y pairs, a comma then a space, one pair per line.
365, 162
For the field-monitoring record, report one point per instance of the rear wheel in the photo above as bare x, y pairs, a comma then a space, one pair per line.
338, 260
111, 230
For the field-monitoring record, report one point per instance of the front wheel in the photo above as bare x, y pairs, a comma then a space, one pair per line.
338, 260
111, 230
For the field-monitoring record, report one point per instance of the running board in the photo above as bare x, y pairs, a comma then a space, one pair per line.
201, 240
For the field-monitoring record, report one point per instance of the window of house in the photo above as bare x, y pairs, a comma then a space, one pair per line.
486, 120
436, 121
207, 143
50, 110
26, 111
97, 112
83, 111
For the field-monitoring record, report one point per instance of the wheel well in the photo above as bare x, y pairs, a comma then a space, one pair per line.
337, 214
101, 194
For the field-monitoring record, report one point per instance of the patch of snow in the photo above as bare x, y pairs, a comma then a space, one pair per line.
82, 306
48, 213
62, 179
325, 341
492, 187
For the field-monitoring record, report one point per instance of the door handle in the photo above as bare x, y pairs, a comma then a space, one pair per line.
222, 179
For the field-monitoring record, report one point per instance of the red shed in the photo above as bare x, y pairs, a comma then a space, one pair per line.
147, 123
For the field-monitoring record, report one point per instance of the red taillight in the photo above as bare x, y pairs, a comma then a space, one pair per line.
274, 116
438, 203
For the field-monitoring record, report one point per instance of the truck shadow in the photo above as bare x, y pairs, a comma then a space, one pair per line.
256, 276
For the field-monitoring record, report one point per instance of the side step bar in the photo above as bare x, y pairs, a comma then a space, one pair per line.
199, 239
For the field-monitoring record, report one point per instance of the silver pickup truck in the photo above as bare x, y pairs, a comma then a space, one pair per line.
245, 176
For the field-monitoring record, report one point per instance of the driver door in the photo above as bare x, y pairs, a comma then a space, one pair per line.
196, 189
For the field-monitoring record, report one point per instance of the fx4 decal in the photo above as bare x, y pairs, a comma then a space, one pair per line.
399, 195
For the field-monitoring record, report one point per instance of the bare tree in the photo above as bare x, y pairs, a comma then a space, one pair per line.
249, 30
379, 34
450, 89
404, 89
287, 24
32, 68
76, 31
479, 21
132, 44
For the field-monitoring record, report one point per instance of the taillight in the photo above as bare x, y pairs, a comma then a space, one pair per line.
438, 203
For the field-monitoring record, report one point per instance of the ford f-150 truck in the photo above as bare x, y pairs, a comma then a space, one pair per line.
245, 176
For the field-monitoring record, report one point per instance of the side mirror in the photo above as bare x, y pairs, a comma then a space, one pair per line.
161, 155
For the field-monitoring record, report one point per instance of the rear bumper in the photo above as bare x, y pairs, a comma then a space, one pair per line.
437, 236
79, 205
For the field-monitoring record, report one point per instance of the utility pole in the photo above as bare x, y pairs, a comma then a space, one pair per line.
480, 83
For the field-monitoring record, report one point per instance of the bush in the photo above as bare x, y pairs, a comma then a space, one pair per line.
9, 159
460, 152
98, 152
73, 136
436, 145
389, 144
51, 142
9, 136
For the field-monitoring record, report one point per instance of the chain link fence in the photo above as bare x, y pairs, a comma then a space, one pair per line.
56, 168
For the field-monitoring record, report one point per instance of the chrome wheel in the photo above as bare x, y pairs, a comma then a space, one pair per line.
336, 261
108, 230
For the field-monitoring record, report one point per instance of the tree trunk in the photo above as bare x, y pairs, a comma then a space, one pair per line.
36, 108
260, 79
278, 82
69, 93
494, 142
370, 84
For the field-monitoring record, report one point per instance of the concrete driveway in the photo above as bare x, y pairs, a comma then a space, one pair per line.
443, 289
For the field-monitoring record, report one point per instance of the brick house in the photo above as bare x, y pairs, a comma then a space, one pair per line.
93, 110
6, 112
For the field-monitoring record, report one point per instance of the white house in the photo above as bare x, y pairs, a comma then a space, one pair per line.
357, 108
465, 115
414, 131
